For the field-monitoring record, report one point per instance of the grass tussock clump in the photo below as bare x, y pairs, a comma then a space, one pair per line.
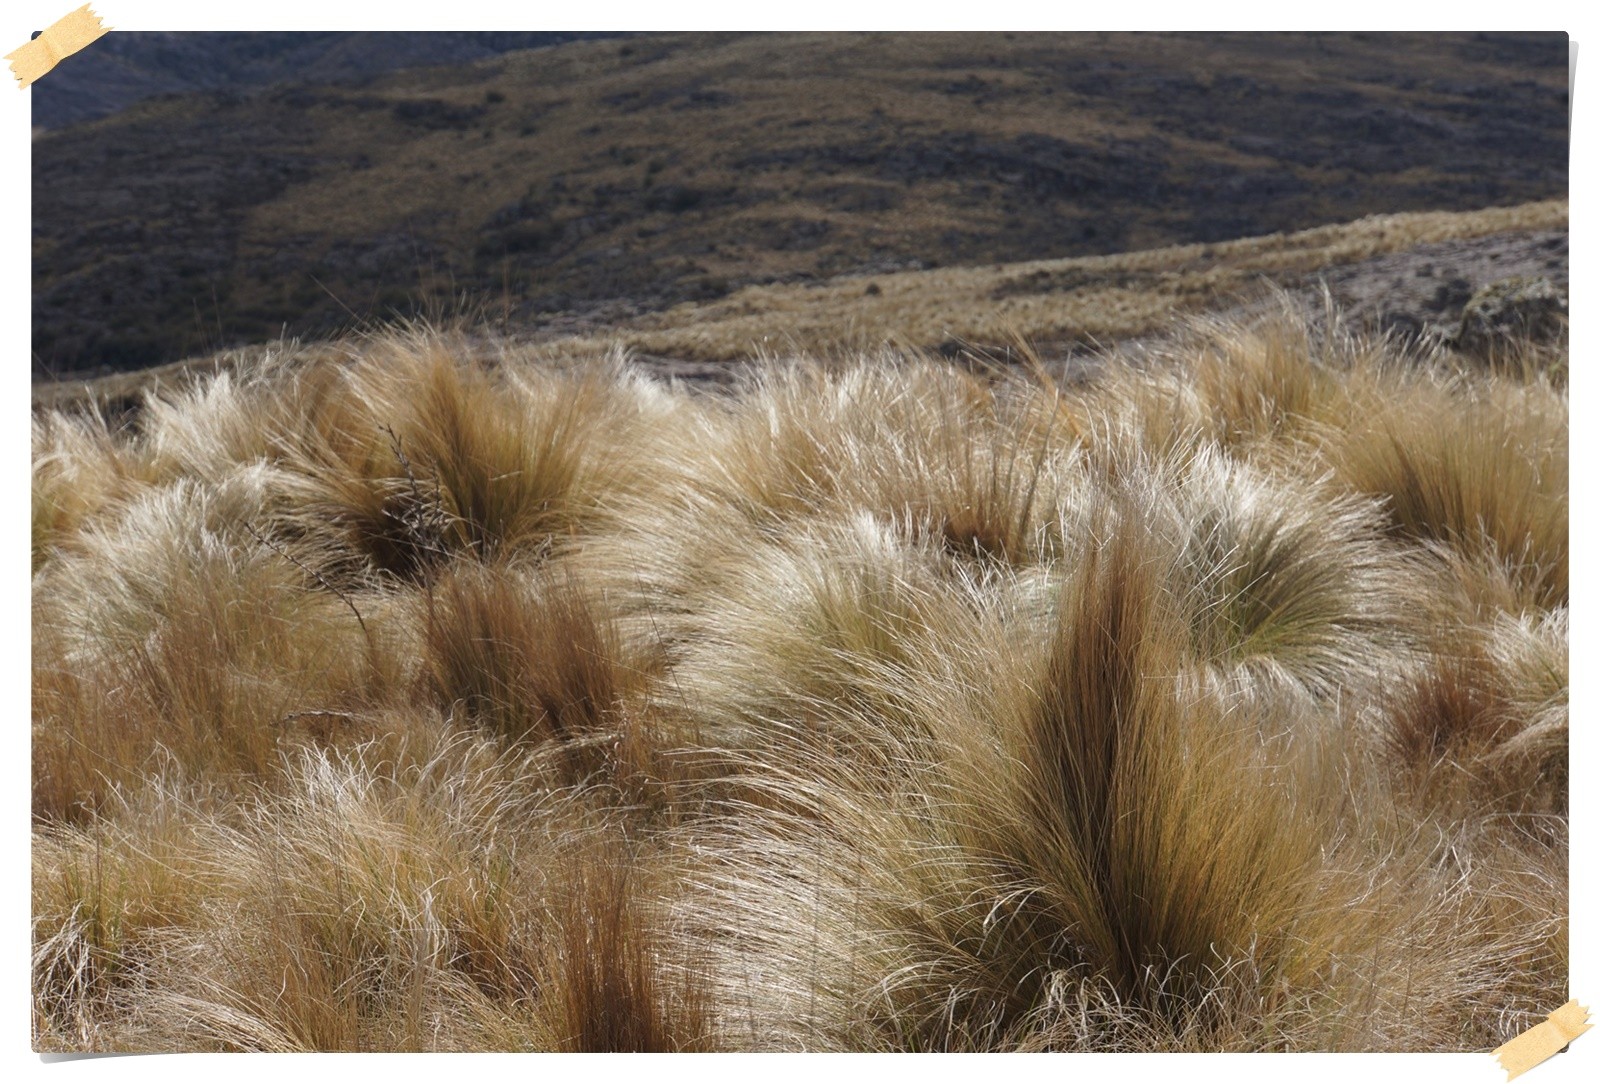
530, 658
79, 467
400, 701
1482, 471
177, 632
363, 909
1116, 758
407, 459
1484, 723
1061, 828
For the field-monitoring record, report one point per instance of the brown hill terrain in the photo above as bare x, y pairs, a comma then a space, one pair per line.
614, 179
1399, 273
1385, 271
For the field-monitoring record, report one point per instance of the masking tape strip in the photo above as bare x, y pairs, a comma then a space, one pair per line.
64, 37
1543, 1039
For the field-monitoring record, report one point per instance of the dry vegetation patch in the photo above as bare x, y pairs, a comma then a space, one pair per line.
411, 701
1074, 300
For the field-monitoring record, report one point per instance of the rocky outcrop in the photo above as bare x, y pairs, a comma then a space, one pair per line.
1505, 312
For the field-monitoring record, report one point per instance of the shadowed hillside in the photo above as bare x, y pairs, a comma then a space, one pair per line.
681, 167
128, 67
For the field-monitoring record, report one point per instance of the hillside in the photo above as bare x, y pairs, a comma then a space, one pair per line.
1385, 272
623, 178
130, 66
1395, 273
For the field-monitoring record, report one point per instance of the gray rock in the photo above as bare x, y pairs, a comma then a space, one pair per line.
1508, 311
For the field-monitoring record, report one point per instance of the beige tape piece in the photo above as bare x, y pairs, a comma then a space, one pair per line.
1543, 1039
60, 40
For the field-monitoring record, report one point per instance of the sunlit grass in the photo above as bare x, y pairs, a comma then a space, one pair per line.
408, 701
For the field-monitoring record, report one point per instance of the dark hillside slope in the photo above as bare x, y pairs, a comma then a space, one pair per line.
128, 67
679, 167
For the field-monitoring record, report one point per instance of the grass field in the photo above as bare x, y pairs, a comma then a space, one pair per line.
407, 700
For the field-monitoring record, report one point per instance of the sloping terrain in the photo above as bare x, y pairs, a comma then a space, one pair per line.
130, 66
682, 167
1384, 271
1399, 273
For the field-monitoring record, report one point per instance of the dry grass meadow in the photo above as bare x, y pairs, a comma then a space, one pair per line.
407, 700
1094, 299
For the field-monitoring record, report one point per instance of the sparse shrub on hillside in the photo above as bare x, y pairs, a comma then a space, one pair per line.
403, 701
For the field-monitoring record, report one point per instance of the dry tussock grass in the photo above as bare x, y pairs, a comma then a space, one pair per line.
405, 702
